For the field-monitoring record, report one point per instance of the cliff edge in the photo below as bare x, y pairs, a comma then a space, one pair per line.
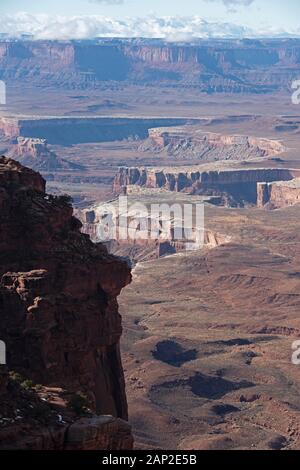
59, 321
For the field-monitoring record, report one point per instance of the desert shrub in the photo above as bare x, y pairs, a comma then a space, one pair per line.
78, 403
27, 384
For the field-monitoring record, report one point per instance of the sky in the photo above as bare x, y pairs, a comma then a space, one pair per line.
161, 18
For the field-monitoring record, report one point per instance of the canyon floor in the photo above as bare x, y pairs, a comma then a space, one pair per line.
208, 334
208, 338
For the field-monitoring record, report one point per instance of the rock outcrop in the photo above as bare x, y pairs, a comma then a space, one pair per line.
58, 295
31, 422
36, 154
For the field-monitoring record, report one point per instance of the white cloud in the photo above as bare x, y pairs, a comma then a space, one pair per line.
86, 27
232, 5
108, 2
244, 3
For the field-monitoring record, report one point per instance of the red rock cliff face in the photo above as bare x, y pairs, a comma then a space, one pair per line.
276, 195
58, 294
182, 179
236, 186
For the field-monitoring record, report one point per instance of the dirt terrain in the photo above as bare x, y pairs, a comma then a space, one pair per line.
209, 366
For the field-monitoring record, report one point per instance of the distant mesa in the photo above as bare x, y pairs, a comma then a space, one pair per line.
227, 183
235, 186
191, 142
83, 129
213, 66
36, 154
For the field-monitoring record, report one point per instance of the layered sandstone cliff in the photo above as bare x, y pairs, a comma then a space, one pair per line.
236, 183
59, 313
140, 230
278, 194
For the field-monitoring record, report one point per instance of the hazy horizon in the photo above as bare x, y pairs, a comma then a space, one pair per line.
85, 19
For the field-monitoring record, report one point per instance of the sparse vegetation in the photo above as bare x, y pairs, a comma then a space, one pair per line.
26, 384
78, 403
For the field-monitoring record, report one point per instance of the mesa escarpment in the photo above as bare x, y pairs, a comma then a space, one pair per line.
191, 142
236, 183
213, 66
148, 236
72, 130
278, 194
59, 312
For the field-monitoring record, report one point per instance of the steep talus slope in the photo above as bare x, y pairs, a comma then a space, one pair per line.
59, 313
